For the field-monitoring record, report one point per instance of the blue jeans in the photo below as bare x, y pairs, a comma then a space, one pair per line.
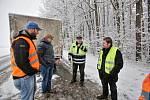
47, 73
26, 86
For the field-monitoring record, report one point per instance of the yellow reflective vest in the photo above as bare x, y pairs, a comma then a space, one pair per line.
110, 60
78, 54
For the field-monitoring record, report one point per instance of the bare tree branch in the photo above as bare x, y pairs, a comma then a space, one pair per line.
113, 5
88, 4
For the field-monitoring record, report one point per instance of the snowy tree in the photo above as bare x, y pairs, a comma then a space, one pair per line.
139, 12
148, 4
126, 21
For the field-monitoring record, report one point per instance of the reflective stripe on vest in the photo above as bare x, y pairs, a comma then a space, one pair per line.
141, 98
146, 89
33, 58
79, 57
73, 50
146, 95
110, 60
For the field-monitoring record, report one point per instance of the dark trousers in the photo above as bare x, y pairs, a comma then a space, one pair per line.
55, 69
81, 68
113, 88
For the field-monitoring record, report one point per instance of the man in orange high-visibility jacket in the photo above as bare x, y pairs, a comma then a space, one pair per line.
24, 61
145, 95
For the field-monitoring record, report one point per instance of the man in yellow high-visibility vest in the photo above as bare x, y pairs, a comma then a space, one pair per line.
109, 64
78, 52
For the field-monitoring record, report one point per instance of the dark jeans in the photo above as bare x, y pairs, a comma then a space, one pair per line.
81, 68
47, 73
111, 80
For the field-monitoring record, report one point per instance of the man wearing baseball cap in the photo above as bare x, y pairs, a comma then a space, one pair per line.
24, 60
78, 52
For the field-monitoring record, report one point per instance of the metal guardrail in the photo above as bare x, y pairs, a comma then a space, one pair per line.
1, 57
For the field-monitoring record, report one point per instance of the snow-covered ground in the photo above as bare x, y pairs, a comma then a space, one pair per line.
7, 89
130, 77
129, 84
4, 51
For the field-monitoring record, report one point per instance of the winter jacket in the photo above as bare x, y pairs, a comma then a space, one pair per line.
109, 61
21, 54
78, 54
46, 53
116, 69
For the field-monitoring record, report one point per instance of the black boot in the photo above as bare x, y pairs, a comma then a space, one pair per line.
73, 81
102, 97
81, 84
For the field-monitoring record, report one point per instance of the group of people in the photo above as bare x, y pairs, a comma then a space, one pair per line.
109, 65
26, 61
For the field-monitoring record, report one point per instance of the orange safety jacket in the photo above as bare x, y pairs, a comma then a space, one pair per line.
145, 95
33, 58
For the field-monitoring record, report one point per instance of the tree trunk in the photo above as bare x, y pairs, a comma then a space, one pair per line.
108, 15
123, 24
89, 27
130, 16
138, 30
148, 3
123, 20
115, 5
117, 16
143, 39
87, 21
103, 19
96, 19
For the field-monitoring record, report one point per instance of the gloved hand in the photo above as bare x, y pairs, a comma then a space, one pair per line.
69, 58
84, 48
98, 66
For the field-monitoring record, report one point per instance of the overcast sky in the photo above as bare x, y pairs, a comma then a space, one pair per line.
25, 7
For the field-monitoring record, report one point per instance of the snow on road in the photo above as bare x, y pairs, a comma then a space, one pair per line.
130, 77
7, 89
129, 84
4, 51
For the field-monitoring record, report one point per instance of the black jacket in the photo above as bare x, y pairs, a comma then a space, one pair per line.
21, 54
118, 65
46, 53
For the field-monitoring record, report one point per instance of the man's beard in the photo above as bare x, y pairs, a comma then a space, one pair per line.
33, 36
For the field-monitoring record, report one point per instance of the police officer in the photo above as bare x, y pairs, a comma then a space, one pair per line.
78, 52
109, 64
